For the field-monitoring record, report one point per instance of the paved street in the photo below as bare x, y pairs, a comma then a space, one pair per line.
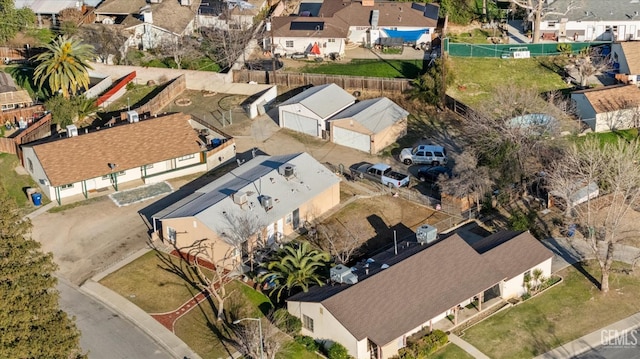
624, 347
104, 333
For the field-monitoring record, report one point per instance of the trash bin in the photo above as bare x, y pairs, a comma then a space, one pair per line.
37, 198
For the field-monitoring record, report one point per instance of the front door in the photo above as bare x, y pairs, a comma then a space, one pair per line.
295, 220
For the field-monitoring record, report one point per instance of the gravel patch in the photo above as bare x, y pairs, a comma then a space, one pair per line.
125, 198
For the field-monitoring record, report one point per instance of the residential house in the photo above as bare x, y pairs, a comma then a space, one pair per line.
275, 193
369, 125
626, 60
591, 20
51, 9
402, 294
325, 29
229, 15
309, 111
608, 108
149, 24
148, 151
12, 96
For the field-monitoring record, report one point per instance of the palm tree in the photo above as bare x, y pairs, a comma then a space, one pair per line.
295, 266
65, 65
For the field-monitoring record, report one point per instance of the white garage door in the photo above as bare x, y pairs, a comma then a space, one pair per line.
351, 139
300, 123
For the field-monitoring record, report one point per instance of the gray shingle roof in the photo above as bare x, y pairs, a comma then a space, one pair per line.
374, 114
324, 100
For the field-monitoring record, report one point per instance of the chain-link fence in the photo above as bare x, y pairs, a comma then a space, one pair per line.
508, 50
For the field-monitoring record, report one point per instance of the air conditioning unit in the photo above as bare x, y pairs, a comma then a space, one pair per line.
266, 202
343, 274
287, 170
239, 198
132, 116
426, 234
72, 131
185, 2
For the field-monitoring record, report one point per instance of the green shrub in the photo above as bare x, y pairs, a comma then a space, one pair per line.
424, 347
308, 342
519, 221
405, 353
287, 322
564, 48
338, 351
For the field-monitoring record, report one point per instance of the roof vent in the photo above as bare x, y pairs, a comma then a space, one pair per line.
266, 202
343, 274
239, 198
287, 170
426, 234
72, 131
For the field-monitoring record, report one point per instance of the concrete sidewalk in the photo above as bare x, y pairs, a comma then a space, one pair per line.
592, 340
570, 251
470, 349
140, 318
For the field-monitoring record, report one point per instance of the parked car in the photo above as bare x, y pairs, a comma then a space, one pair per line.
432, 174
424, 154
381, 173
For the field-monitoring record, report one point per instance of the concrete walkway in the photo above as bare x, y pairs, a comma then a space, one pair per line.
144, 321
41, 210
515, 34
570, 251
592, 340
473, 351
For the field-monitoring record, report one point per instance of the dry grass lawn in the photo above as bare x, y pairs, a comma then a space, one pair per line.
565, 312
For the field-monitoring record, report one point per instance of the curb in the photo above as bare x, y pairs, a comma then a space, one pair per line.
126, 260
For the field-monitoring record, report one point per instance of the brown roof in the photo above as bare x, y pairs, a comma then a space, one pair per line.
631, 50
129, 146
612, 98
392, 13
168, 14
386, 305
331, 27
17, 97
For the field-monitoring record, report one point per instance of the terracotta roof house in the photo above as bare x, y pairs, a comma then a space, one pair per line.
330, 26
626, 59
309, 111
149, 24
12, 96
609, 108
147, 151
369, 125
402, 294
277, 194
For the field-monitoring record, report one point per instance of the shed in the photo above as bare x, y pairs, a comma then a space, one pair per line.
609, 108
369, 125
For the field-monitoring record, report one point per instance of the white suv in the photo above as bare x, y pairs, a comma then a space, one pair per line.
424, 154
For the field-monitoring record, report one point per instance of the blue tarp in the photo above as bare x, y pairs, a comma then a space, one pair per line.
406, 35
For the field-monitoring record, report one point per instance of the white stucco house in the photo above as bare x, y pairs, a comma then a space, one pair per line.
369, 125
149, 24
400, 295
325, 29
83, 162
626, 60
592, 20
608, 108
309, 111
276, 194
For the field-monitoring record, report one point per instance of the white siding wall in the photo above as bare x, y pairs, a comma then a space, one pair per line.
617, 120
177, 173
514, 287
596, 30
304, 44
618, 55
36, 171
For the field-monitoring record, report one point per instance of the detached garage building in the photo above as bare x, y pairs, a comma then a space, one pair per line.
309, 111
369, 125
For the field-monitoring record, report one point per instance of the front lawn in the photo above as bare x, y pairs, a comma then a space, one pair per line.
477, 78
409, 69
611, 137
475, 36
564, 313
451, 351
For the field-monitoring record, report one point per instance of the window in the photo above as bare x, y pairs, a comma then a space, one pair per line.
30, 165
288, 218
307, 323
106, 177
187, 157
551, 24
122, 173
288, 44
428, 154
331, 40
146, 167
66, 186
171, 234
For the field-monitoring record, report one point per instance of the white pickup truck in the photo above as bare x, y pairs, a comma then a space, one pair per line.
424, 154
380, 172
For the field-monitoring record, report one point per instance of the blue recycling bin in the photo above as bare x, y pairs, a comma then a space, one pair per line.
37, 198
215, 142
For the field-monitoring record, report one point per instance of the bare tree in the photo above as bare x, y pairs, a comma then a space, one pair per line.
539, 9
468, 178
341, 243
509, 131
248, 337
240, 232
226, 46
619, 114
587, 63
106, 39
179, 49
613, 167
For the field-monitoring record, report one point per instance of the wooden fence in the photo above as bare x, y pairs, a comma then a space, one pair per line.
162, 99
41, 128
380, 85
